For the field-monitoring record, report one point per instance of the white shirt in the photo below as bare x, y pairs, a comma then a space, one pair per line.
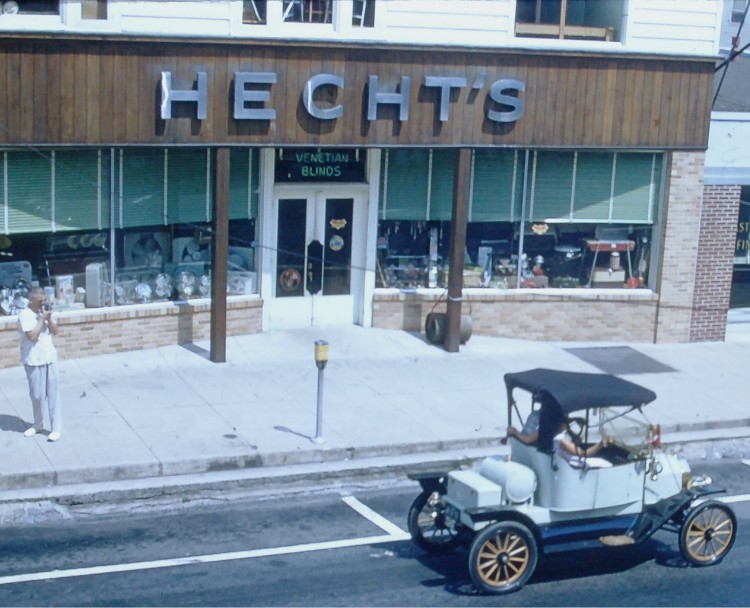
42, 351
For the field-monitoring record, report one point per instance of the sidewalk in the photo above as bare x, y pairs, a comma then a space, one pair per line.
166, 414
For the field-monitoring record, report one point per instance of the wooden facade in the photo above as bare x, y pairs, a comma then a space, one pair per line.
83, 91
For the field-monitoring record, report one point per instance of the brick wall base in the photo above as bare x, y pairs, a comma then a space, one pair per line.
560, 315
111, 330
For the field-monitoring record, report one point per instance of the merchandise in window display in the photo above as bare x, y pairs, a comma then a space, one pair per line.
163, 286
14, 299
411, 254
204, 285
185, 284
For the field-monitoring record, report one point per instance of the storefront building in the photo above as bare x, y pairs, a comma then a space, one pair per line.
316, 184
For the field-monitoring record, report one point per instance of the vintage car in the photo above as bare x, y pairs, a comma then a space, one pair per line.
511, 510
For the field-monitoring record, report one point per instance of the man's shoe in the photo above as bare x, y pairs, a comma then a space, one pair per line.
53, 436
31, 431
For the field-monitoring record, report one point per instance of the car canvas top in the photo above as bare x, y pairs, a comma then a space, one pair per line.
575, 391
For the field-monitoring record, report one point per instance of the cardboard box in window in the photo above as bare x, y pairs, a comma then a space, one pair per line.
606, 278
241, 283
472, 277
70, 291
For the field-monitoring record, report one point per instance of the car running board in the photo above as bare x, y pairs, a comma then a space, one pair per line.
617, 540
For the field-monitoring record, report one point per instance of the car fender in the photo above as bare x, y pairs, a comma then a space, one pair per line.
432, 481
493, 515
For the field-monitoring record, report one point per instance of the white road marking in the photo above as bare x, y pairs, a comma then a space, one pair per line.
376, 518
198, 559
737, 498
394, 534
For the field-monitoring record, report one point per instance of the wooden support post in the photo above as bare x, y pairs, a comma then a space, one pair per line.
219, 251
461, 184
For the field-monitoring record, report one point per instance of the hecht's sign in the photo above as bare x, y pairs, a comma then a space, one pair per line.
252, 93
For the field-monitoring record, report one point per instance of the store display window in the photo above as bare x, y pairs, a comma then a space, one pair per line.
98, 229
537, 219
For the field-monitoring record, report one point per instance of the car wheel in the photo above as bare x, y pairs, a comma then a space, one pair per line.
429, 527
707, 533
502, 557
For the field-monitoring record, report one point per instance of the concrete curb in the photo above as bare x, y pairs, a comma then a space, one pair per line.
339, 467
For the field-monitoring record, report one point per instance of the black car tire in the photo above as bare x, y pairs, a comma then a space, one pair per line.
428, 525
503, 557
707, 533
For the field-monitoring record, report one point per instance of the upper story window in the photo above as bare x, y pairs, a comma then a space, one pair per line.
36, 7
363, 13
308, 11
738, 10
94, 9
569, 19
254, 11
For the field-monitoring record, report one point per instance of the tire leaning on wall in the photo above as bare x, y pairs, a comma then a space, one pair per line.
434, 328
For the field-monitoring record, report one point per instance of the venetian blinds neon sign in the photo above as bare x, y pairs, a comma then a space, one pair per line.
252, 93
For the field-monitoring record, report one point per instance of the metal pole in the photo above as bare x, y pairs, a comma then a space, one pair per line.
319, 420
321, 360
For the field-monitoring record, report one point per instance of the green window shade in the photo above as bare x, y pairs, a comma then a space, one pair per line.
553, 186
81, 201
187, 183
403, 195
244, 171
29, 192
441, 186
593, 186
632, 197
492, 189
142, 187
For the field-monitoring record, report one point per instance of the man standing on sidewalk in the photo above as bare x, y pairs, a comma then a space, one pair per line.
39, 356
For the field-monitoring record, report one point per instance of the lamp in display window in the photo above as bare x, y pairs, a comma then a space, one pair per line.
185, 284
204, 285
125, 292
163, 286
144, 292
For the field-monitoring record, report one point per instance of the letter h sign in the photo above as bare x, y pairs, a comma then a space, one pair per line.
169, 95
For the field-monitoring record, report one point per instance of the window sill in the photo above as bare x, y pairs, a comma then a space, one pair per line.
575, 32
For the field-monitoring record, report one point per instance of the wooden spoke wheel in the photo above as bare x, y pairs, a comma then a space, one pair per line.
502, 557
707, 533
429, 526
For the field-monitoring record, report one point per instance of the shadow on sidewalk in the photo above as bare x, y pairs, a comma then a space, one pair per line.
12, 423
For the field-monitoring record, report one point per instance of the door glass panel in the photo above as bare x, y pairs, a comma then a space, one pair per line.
290, 265
337, 254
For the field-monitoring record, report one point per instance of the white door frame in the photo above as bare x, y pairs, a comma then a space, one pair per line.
319, 310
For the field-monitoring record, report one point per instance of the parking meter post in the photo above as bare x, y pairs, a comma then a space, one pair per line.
321, 359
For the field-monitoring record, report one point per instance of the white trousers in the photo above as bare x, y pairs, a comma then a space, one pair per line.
43, 387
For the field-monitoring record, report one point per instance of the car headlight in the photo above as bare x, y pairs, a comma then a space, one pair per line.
690, 481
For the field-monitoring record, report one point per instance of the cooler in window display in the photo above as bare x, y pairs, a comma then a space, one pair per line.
97, 288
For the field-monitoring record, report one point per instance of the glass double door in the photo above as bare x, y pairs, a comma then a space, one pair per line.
316, 244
